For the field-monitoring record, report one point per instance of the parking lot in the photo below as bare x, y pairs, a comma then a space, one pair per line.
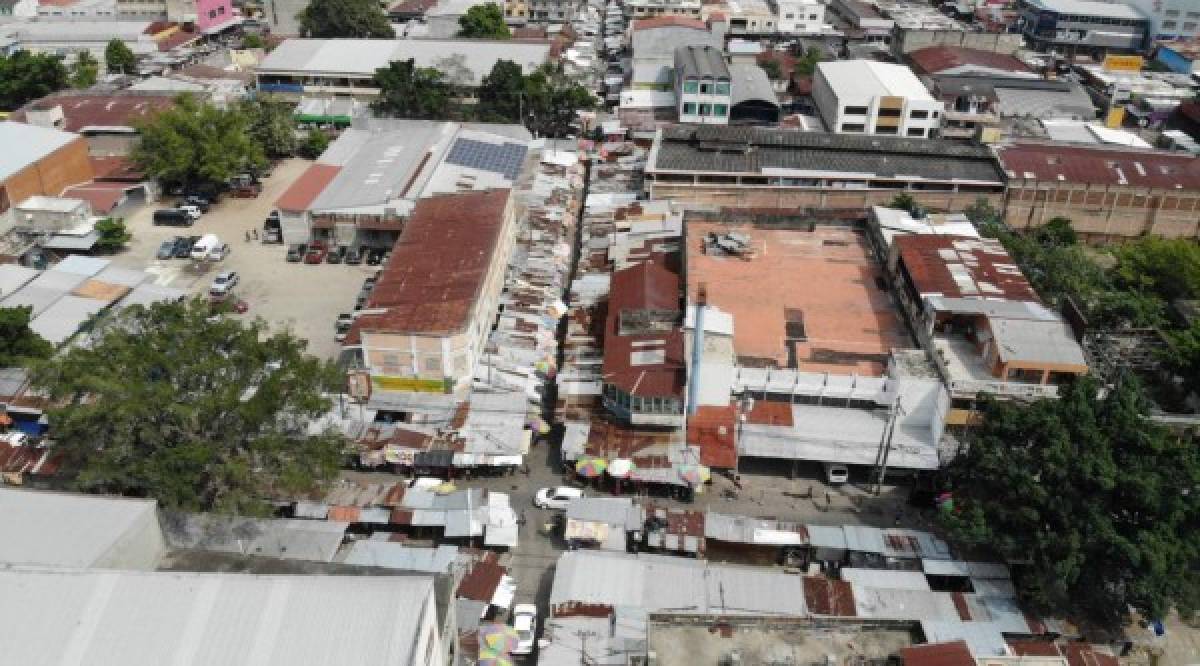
302, 297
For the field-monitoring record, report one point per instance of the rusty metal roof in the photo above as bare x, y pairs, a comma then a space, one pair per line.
1100, 166
305, 189
962, 267
938, 654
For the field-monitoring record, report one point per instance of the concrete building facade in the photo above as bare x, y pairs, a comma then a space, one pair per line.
868, 97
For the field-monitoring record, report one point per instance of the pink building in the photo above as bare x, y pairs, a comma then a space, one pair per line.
204, 14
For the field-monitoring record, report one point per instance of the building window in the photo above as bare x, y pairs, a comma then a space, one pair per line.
1173, 13
690, 86
885, 129
812, 17
854, 127
1168, 25
706, 88
935, 114
720, 110
917, 131
919, 115
1190, 25
722, 87
689, 109
789, 16
890, 113
855, 111
705, 109
1193, 14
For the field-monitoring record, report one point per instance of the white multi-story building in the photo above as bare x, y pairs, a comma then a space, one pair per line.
1171, 19
649, 8
869, 97
800, 17
703, 91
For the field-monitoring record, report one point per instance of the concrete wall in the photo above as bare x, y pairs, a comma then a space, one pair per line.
1101, 213
48, 176
745, 196
140, 548
907, 41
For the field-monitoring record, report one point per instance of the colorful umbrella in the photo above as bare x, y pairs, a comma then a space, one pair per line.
444, 488
498, 639
694, 474
621, 468
590, 466
495, 660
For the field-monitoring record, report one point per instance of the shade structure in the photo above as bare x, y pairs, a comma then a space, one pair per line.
620, 468
694, 474
497, 639
590, 466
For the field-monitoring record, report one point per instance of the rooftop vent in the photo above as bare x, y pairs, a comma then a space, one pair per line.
732, 244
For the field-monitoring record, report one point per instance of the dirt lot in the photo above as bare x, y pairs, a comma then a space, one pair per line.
305, 298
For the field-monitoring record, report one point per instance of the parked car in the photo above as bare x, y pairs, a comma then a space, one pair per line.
836, 473
525, 623
192, 211
167, 249
224, 282
375, 256
336, 255
315, 254
173, 217
353, 256
219, 253
361, 301
342, 326
198, 201
556, 498
296, 252
183, 249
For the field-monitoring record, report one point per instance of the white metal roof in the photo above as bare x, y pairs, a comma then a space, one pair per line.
108, 618
1090, 8
886, 578
26, 144
856, 79
85, 528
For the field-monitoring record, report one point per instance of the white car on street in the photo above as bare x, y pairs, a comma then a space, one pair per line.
224, 283
525, 622
556, 498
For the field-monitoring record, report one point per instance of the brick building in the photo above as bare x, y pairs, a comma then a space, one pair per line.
39, 161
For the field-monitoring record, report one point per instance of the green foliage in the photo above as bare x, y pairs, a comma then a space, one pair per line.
271, 126
501, 93
84, 70
200, 413
252, 41
1101, 504
772, 68
904, 201
1183, 355
408, 91
26, 76
807, 64
197, 144
361, 19
18, 343
314, 144
1169, 268
553, 100
484, 21
113, 234
118, 58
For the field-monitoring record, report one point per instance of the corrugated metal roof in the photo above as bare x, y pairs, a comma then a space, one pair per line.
85, 527
301, 193
373, 553
885, 578
314, 540
938, 654
26, 144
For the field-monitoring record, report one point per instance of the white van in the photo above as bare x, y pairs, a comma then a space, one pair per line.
836, 473
205, 246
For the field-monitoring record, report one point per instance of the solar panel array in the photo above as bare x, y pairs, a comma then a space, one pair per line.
504, 158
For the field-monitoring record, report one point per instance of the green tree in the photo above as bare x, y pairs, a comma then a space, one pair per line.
118, 58
501, 93
197, 144
271, 126
553, 101
360, 19
26, 76
113, 234
18, 343
200, 413
904, 201
806, 65
252, 41
484, 21
772, 68
1099, 505
1182, 356
1169, 267
408, 91
314, 144
84, 70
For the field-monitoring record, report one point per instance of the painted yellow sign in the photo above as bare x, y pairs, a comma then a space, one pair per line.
1116, 116
1123, 63
409, 384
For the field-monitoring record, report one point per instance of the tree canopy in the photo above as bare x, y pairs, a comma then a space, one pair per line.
118, 58
501, 93
26, 76
84, 70
271, 126
1101, 505
113, 234
553, 100
484, 21
196, 143
313, 145
408, 91
360, 19
198, 412
18, 343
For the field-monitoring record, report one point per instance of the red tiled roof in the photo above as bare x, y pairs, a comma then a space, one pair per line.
438, 265
481, 582
1083, 654
938, 654
177, 39
668, 21
650, 285
991, 270
1034, 648
1100, 166
305, 189
103, 110
102, 196
713, 430
935, 59
765, 412
825, 596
